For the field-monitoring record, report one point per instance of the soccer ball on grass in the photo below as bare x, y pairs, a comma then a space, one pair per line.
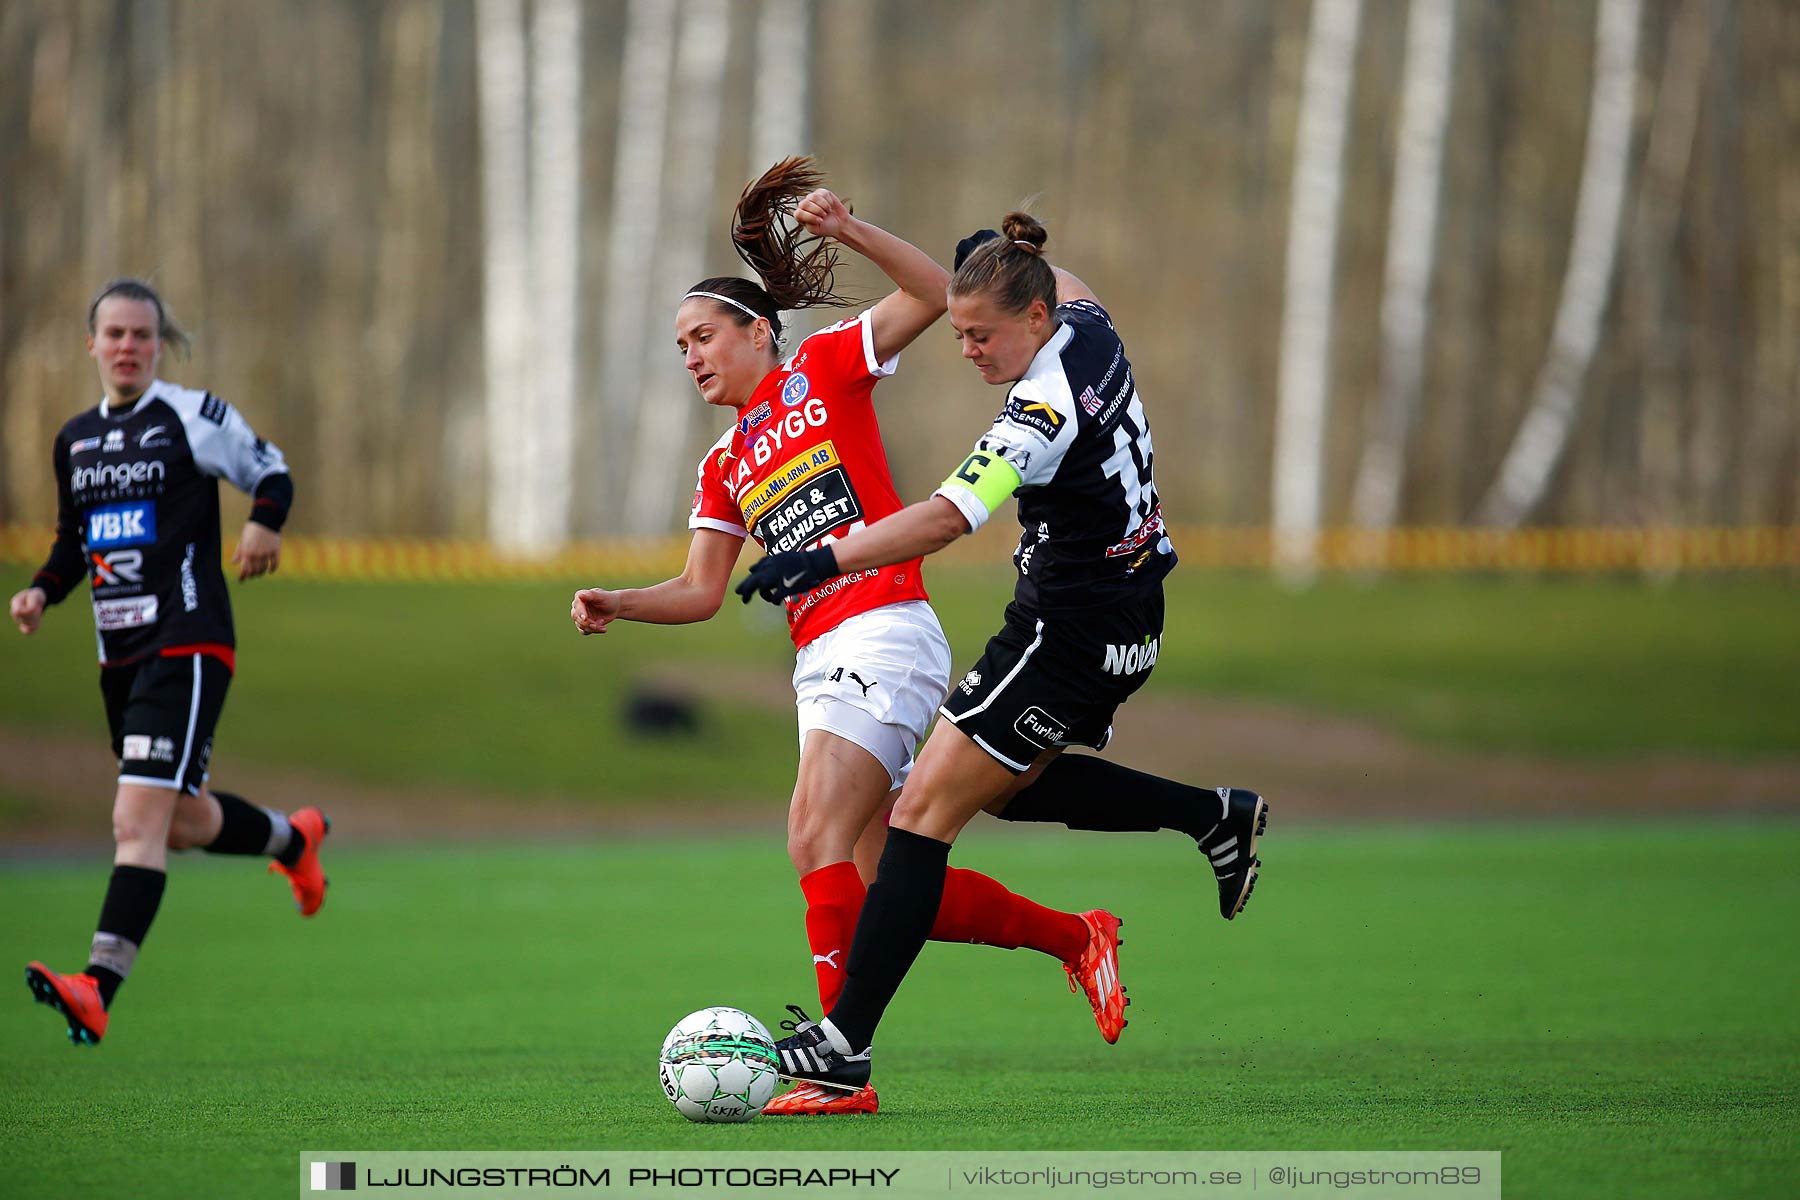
718, 1064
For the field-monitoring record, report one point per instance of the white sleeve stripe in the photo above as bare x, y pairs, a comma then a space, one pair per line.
967, 503
715, 523
881, 370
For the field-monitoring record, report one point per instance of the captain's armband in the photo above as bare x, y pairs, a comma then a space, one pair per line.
981, 484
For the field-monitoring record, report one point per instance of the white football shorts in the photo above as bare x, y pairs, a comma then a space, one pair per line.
876, 680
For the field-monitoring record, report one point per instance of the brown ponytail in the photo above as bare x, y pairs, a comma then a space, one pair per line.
1010, 268
794, 266
794, 275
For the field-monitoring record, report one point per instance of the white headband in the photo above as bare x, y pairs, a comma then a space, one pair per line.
738, 304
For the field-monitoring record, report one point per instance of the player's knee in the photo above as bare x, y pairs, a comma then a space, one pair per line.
815, 840
807, 850
134, 828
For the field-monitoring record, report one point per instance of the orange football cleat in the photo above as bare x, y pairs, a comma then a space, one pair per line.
1096, 972
306, 876
811, 1100
76, 997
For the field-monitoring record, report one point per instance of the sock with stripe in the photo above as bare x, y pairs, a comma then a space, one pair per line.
979, 909
132, 897
1086, 792
834, 897
251, 829
896, 921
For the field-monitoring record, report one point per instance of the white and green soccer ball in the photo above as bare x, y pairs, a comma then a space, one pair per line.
719, 1064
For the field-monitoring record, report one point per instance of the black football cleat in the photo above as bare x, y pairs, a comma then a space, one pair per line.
1231, 847
808, 1056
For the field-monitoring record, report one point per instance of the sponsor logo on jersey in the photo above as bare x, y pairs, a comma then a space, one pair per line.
823, 505
118, 567
83, 445
789, 428
214, 409
798, 606
1020, 459
125, 613
795, 390
1090, 403
151, 438
1040, 728
755, 417
793, 473
121, 525
115, 475
1035, 415
115, 441
137, 747
190, 590
1138, 538
1129, 660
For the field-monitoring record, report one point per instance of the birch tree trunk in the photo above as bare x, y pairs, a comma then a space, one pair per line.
636, 224
1556, 401
1304, 389
556, 265
659, 461
779, 123
1658, 208
1411, 251
506, 285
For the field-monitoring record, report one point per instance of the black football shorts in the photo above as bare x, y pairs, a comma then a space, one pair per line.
162, 712
1056, 680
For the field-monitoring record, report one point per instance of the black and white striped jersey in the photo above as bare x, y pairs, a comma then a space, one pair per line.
138, 512
1074, 428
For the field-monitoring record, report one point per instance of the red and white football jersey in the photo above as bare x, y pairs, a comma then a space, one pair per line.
804, 464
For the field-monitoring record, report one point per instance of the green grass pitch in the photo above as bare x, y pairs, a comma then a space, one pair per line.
488, 687
1610, 1007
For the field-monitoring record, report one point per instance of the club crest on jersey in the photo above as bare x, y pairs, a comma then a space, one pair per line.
754, 417
795, 390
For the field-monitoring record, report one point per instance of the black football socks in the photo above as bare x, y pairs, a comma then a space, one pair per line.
1085, 792
896, 921
246, 828
132, 898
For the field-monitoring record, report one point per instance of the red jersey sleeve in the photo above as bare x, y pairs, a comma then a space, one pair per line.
846, 351
713, 505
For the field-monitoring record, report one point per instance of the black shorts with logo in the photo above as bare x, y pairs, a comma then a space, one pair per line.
162, 712
1056, 680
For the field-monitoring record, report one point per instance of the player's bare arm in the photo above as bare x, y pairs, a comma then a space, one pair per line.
898, 319
916, 530
694, 595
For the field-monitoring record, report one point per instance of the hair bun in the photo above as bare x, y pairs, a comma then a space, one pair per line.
1022, 227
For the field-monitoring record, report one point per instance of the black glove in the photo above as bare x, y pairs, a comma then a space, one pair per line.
967, 246
777, 576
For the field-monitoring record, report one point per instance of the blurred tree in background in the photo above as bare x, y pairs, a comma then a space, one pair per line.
304, 181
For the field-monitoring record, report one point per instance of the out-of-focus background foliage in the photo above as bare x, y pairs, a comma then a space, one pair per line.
305, 182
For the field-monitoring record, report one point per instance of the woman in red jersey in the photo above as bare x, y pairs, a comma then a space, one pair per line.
800, 466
